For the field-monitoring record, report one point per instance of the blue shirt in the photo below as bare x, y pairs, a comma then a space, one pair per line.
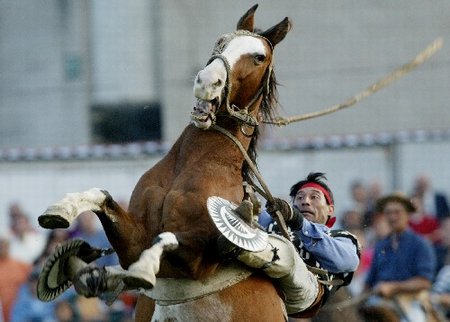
335, 254
413, 257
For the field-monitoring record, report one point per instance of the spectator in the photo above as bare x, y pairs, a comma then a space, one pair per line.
54, 238
357, 284
352, 221
65, 312
71, 307
13, 273
363, 201
359, 197
423, 223
91, 309
374, 192
378, 230
26, 242
440, 295
434, 202
27, 307
445, 238
403, 264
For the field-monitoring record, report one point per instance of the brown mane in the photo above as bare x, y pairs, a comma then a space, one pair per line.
268, 107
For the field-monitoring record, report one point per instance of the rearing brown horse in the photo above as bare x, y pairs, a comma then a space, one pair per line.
167, 230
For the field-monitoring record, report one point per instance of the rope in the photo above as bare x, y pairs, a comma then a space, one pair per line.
429, 51
265, 192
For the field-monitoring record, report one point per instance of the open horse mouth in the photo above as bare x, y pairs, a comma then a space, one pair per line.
204, 113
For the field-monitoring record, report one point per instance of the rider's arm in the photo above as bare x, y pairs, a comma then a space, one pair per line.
335, 254
264, 219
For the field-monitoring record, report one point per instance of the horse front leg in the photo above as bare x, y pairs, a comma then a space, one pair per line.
126, 233
64, 212
92, 281
70, 264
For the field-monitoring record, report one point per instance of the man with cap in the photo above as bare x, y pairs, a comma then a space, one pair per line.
403, 263
316, 261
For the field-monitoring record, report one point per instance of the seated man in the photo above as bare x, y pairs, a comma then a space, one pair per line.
318, 260
403, 265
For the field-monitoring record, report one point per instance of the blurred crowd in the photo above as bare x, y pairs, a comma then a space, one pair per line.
24, 250
430, 220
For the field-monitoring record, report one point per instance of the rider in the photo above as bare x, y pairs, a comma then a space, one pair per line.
317, 260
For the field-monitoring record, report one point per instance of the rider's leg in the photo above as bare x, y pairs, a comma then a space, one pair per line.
281, 262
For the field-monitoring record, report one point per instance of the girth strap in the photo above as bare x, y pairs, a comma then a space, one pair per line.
170, 291
324, 272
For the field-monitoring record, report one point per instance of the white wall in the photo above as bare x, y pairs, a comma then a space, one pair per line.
144, 50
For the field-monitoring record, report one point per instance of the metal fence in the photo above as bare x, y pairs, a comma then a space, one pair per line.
37, 178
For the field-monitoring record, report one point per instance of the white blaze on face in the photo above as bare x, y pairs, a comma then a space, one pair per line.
243, 45
211, 80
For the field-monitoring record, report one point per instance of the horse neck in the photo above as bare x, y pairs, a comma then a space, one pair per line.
241, 132
212, 139
208, 148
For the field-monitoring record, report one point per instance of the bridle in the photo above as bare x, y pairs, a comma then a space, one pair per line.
242, 114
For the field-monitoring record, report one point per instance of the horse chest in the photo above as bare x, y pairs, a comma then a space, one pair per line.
210, 308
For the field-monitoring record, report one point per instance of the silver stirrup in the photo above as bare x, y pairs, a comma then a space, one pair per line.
233, 227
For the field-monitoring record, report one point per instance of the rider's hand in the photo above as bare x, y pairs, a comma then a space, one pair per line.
283, 206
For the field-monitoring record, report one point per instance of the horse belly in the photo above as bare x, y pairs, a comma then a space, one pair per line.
252, 300
207, 309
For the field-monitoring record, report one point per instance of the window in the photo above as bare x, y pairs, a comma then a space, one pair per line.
124, 123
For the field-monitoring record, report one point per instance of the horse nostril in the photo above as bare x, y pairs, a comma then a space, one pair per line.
218, 83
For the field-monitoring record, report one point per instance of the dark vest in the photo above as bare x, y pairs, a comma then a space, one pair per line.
331, 281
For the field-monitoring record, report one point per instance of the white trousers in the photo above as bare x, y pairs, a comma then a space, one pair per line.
289, 272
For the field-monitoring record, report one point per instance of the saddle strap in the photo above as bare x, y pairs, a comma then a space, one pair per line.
323, 272
170, 291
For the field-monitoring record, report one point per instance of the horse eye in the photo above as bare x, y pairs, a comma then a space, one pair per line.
259, 59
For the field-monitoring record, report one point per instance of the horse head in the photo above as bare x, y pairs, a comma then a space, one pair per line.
239, 74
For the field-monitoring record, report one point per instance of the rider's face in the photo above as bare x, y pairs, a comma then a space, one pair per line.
312, 204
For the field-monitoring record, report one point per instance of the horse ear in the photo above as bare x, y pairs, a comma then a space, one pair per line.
278, 32
246, 21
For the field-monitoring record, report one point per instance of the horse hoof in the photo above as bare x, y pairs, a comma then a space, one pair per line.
53, 219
